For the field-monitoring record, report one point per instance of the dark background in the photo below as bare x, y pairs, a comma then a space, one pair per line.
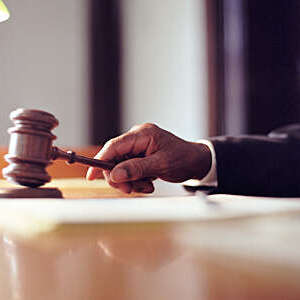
267, 62
270, 64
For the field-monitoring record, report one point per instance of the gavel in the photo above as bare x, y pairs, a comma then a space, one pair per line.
31, 150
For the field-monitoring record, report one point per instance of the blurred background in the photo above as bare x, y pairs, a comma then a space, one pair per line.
197, 68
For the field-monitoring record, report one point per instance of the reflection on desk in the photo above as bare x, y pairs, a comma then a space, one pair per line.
114, 262
251, 258
238, 248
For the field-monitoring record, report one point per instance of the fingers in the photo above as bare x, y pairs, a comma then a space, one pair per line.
133, 173
141, 186
129, 144
93, 173
125, 187
136, 169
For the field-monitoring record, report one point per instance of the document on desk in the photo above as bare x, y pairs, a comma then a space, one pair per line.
34, 215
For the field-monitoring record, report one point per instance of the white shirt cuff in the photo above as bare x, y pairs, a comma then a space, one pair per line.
211, 178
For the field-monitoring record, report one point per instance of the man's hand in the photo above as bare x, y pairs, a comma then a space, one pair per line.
147, 152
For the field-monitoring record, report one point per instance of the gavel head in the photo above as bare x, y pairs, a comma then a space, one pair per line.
30, 147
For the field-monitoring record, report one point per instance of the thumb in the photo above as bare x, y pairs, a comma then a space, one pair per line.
135, 169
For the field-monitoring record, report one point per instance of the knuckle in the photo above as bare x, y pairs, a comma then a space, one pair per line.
135, 127
151, 126
136, 170
164, 163
152, 131
116, 142
126, 138
144, 126
110, 144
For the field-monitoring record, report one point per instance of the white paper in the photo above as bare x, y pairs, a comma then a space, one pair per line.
185, 208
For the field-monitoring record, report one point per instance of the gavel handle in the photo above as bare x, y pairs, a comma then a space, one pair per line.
71, 157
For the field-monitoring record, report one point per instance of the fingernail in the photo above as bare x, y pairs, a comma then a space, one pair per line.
89, 174
119, 175
106, 175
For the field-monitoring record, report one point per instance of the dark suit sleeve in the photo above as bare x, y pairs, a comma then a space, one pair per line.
258, 165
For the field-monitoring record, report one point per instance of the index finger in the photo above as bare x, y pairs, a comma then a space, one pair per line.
118, 149
128, 144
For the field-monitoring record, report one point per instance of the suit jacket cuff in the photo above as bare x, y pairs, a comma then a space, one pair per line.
211, 177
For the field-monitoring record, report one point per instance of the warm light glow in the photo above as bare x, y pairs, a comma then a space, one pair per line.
4, 13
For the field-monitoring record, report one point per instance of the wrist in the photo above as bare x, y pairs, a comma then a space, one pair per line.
202, 161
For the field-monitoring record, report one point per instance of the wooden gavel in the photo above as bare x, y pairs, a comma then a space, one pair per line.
31, 151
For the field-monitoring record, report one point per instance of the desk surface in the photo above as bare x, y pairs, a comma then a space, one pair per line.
153, 261
255, 257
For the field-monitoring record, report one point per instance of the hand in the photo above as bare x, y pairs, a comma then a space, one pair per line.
147, 152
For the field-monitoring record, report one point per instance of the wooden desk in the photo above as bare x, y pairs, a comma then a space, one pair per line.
80, 188
148, 261
254, 257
